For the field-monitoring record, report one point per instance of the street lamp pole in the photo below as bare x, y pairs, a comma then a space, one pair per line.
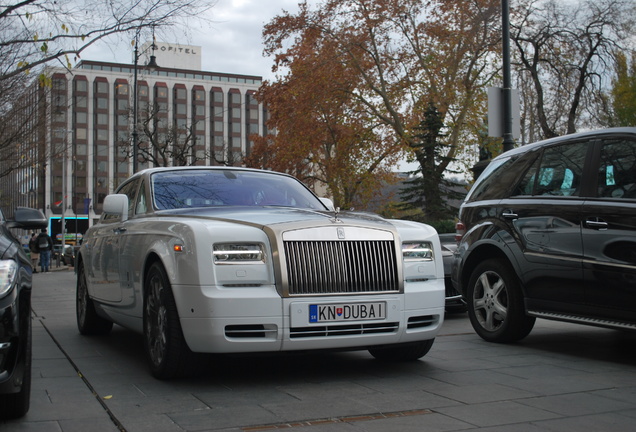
134, 132
508, 139
152, 65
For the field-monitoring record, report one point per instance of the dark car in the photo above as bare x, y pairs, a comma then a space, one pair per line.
549, 231
15, 314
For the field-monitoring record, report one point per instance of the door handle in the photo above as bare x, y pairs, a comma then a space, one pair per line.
119, 230
596, 223
509, 214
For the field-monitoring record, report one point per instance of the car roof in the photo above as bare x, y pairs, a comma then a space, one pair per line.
599, 133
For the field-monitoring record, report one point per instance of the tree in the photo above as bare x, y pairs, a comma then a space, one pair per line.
324, 136
430, 154
623, 93
564, 53
398, 56
164, 144
36, 32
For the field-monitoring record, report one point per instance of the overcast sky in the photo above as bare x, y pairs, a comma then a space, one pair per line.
230, 43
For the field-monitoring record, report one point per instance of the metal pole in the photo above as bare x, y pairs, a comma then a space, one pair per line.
62, 220
508, 139
134, 133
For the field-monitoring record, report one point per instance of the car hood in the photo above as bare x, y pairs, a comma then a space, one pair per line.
267, 216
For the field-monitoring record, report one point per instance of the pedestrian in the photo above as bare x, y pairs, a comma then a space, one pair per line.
35, 252
45, 244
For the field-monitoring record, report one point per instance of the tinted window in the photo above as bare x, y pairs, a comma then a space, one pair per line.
557, 173
498, 177
617, 171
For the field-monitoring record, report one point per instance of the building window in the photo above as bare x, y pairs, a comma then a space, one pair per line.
102, 87
81, 85
121, 89
81, 102
180, 93
81, 117
122, 104
101, 135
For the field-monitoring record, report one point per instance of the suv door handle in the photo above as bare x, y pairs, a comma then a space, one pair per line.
119, 230
596, 223
509, 214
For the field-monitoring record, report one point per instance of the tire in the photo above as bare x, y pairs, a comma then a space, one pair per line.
16, 405
495, 303
166, 349
403, 352
88, 322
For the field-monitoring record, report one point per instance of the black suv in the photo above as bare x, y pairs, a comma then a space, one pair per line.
549, 231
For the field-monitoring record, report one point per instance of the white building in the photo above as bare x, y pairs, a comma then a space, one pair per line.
85, 147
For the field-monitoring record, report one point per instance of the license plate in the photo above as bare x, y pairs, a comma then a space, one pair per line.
346, 312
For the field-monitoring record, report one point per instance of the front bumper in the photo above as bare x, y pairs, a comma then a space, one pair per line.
257, 319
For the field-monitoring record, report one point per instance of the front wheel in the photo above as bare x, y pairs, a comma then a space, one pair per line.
88, 322
495, 303
16, 405
403, 352
166, 349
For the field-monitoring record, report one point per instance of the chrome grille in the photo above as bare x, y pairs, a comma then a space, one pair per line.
341, 267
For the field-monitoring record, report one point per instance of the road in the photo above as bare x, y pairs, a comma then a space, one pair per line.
561, 378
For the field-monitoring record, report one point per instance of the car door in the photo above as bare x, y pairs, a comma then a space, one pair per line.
106, 260
131, 249
609, 231
544, 215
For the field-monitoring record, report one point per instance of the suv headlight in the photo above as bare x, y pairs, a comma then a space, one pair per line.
8, 273
238, 253
417, 251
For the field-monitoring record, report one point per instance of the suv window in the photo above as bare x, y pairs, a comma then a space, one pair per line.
617, 172
558, 172
497, 178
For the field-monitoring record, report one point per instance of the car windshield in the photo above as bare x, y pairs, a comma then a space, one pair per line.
224, 187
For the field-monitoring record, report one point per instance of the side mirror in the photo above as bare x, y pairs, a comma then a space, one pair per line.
116, 204
28, 218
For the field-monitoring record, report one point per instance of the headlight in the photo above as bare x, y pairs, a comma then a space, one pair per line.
238, 253
8, 272
417, 251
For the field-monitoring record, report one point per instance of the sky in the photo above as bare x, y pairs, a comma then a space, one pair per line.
230, 43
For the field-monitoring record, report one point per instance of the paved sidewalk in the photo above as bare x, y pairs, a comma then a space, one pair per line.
561, 378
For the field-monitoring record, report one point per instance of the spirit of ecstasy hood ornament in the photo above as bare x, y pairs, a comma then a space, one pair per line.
336, 212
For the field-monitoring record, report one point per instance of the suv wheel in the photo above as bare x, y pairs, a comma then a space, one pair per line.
495, 303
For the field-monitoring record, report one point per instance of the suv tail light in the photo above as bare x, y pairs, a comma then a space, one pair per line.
460, 230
